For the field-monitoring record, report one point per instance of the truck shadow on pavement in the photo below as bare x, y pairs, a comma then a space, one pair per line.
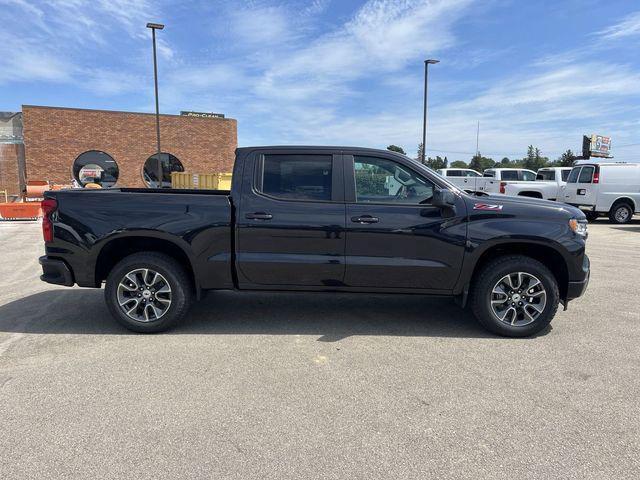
331, 316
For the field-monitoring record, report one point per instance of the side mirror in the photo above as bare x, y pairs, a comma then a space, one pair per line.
443, 198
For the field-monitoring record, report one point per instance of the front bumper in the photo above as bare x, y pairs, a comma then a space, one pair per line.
576, 289
56, 271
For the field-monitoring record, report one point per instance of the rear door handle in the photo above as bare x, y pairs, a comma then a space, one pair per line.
365, 219
258, 216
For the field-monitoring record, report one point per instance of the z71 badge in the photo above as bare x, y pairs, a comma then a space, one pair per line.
486, 206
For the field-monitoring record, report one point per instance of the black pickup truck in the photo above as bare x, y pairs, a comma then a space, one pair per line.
337, 219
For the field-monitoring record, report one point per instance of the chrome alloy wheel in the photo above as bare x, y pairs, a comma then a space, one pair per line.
144, 295
518, 299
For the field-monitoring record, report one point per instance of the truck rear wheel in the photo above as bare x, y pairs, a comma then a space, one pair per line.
621, 213
148, 292
515, 296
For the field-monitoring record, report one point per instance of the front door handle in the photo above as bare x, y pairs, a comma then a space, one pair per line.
258, 216
365, 219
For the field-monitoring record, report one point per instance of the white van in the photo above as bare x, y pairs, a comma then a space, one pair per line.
611, 189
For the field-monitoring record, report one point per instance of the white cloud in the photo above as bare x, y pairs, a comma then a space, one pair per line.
383, 36
628, 27
260, 26
68, 40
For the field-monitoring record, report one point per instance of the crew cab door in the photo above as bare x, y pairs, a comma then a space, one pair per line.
395, 238
291, 219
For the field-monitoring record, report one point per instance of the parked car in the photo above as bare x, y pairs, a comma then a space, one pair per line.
548, 184
318, 219
463, 178
493, 180
611, 189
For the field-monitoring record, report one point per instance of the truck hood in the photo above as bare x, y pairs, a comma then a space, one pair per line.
522, 206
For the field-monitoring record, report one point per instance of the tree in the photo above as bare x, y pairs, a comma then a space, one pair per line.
458, 164
566, 159
436, 163
420, 150
480, 163
534, 159
396, 148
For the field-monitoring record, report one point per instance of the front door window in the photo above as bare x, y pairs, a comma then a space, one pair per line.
379, 180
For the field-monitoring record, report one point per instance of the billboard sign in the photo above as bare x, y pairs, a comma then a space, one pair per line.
600, 146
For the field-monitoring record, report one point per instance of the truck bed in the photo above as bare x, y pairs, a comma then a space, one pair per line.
196, 221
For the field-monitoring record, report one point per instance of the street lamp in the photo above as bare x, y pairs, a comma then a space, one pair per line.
424, 118
154, 27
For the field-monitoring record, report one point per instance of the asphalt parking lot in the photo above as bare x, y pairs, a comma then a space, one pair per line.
317, 385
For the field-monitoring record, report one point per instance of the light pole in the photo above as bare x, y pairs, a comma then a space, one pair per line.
424, 118
154, 27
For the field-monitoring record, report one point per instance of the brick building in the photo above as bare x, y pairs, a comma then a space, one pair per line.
114, 148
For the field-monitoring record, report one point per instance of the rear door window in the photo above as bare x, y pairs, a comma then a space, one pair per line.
586, 175
297, 177
573, 176
454, 173
527, 176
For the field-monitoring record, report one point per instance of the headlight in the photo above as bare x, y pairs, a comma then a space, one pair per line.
578, 226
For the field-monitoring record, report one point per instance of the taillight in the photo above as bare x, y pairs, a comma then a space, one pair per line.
48, 205
502, 186
596, 176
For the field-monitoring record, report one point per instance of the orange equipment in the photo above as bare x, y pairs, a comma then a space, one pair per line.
20, 211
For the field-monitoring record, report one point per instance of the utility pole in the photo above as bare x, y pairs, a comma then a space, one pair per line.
154, 27
424, 116
478, 140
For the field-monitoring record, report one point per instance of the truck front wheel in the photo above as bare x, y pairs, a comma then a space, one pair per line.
148, 292
515, 296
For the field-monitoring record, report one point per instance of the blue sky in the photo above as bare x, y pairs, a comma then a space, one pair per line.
344, 72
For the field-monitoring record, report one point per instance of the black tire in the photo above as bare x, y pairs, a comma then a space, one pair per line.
621, 213
491, 274
591, 216
181, 294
